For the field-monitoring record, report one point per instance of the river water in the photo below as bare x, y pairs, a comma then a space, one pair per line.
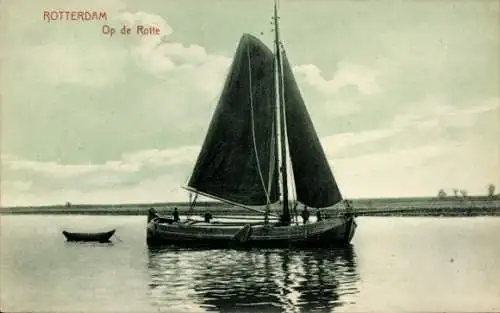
393, 264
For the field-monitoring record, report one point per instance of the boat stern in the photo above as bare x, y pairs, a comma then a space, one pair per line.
340, 231
151, 233
351, 226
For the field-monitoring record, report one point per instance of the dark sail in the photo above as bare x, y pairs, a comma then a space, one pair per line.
314, 182
227, 166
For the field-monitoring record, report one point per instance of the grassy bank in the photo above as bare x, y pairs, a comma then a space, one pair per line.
450, 206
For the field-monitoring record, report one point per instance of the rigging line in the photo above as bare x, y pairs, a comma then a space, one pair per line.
287, 156
272, 161
192, 204
278, 119
253, 130
272, 158
201, 193
288, 164
283, 108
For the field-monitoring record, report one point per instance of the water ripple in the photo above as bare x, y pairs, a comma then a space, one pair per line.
254, 281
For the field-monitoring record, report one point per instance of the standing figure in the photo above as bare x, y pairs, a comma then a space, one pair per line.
305, 215
208, 217
319, 218
348, 207
151, 214
176, 215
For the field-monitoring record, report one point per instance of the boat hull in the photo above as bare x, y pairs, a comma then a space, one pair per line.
89, 237
328, 233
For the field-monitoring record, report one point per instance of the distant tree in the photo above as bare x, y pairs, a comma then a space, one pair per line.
464, 193
455, 191
441, 193
68, 204
491, 190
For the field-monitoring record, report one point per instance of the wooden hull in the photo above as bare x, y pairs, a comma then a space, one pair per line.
95, 237
331, 232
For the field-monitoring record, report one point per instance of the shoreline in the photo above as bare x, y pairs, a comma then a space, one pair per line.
470, 211
449, 206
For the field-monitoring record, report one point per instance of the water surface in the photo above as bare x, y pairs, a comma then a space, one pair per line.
393, 264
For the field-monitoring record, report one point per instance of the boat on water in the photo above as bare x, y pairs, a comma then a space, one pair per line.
89, 237
260, 133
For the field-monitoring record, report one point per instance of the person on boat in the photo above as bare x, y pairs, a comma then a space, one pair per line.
305, 215
151, 214
348, 207
319, 217
176, 215
208, 217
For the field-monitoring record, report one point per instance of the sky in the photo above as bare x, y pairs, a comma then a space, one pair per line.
404, 95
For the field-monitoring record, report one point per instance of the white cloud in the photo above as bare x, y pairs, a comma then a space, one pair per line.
70, 182
421, 171
469, 162
147, 19
193, 68
128, 163
159, 54
56, 170
166, 157
487, 105
400, 159
188, 72
160, 189
433, 112
364, 79
338, 142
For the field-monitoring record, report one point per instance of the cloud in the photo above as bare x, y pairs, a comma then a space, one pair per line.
387, 161
158, 189
85, 89
432, 121
161, 56
121, 119
347, 74
338, 142
56, 170
139, 176
419, 171
350, 90
128, 163
147, 19
432, 112
166, 157
153, 174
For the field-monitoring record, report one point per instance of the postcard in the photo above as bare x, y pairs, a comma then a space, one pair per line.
250, 155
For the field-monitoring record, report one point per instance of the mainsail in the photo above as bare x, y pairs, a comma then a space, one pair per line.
314, 182
236, 160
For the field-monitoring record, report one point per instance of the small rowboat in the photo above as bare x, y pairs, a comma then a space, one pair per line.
99, 237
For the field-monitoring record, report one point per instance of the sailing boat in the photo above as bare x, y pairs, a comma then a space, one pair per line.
260, 122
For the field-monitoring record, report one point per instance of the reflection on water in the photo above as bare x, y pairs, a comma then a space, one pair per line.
255, 280
432, 265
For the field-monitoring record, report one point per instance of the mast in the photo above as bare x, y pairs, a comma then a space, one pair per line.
280, 118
